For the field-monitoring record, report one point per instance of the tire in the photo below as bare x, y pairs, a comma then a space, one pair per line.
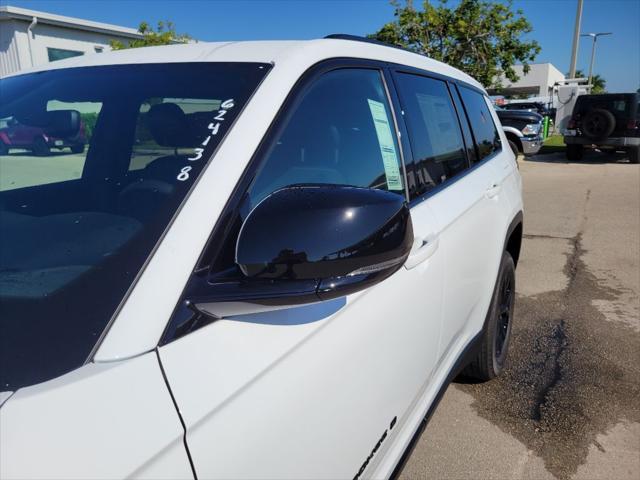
574, 152
496, 334
514, 148
40, 147
4, 150
77, 148
598, 124
634, 155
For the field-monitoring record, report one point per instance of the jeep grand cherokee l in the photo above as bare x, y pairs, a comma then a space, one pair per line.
274, 259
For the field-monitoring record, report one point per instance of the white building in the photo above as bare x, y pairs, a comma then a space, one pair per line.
29, 38
538, 82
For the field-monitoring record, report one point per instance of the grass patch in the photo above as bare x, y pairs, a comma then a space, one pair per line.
553, 144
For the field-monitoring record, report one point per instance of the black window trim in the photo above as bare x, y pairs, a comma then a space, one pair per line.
463, 121
396, 128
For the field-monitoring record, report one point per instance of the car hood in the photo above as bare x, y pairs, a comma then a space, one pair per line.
519, 115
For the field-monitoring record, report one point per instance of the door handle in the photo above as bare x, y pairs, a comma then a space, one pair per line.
493, 190
423, 248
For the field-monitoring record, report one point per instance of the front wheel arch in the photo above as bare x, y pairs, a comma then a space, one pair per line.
515, 139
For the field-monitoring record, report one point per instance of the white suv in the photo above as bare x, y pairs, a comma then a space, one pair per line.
269, 262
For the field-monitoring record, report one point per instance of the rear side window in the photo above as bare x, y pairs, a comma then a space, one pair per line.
341, 133
434, 131
484, 130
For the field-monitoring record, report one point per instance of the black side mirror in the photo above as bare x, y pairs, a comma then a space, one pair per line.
307, 243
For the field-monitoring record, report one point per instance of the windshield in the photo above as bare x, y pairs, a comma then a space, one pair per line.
94, 163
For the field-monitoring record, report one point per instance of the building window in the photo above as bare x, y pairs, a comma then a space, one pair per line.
60, 54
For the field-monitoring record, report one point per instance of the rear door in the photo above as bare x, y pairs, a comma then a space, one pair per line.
458, 183
314, 391
477, 225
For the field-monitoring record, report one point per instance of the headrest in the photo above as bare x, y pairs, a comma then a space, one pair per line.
170, 127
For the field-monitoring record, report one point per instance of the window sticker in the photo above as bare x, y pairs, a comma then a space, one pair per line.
387, 146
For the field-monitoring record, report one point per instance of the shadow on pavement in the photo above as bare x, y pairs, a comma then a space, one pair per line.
590, 157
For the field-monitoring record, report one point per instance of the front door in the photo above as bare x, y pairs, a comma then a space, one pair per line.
314, 391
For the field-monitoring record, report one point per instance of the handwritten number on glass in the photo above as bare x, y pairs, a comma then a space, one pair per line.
213, 128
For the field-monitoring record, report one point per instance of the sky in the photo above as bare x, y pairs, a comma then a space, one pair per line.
617, 56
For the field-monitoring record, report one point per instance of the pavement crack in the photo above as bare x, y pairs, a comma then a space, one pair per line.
573, 263
558, 343
552, 237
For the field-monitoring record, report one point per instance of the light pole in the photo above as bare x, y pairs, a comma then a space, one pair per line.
594, 36
574, 50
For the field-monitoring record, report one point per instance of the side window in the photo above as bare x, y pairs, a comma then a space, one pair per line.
60, 54
472, 153
484, 130
434, 131
341, 132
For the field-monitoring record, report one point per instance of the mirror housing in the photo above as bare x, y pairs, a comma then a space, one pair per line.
319, 232
308, 243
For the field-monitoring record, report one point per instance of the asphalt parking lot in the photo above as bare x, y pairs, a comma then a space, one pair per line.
568, 405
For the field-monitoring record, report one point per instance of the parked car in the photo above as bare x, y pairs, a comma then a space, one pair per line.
15, 134
610, 120
280, 284
536, 107
523, 130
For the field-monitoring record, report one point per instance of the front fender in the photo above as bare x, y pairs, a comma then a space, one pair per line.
513, 130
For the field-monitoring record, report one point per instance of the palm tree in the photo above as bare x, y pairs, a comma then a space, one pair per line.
599, 83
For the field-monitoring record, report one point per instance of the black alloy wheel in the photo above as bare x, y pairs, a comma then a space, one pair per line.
494, 343
505, 313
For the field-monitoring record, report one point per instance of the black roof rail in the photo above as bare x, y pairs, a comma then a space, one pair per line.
356, 38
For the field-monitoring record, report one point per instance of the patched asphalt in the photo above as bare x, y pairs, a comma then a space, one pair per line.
568, 403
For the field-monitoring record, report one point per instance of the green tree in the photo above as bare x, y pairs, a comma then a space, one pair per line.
164, 34
482, 38
599, 83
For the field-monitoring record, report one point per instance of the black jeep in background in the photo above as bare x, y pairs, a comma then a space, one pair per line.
605, 121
